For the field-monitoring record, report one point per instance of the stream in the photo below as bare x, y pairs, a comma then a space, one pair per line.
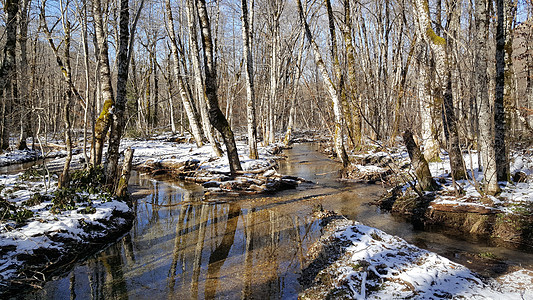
182, 247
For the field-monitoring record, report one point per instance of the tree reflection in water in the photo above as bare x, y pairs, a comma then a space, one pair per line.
183, 247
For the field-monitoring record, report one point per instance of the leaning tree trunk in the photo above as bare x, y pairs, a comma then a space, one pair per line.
486, 136
199, 83
215, 114
438, 46
419, 163
249, 77
194, 120
337, 110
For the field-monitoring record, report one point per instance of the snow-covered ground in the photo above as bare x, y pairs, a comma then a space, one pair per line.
28, 225
376, 265
373, 257
513, 193
161, 150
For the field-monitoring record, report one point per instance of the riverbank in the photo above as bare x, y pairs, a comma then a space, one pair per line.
354, 261
507, 218
44, 230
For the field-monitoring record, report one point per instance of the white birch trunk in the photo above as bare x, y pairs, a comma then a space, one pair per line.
249, 77
187, 103
199, 83
337, 110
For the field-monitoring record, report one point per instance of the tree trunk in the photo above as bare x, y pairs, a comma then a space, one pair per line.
194, 121
419, 163
438, 46
118, 124
337, 110
499, 114
294, 94
103, 122
8, 69
352, 75
486, 118
249, 77
24, 82
122, 186
427, 105
199, 83
215, 114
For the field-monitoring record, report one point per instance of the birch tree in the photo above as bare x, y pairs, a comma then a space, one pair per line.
337, 110
192, 115
199, 82
217, 119
486, 118
103, 122
118, 122
439, 48
249, 77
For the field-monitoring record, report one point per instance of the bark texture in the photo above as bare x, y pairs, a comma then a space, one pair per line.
192, 115
486, 117
8, 68
502, 163
438, 46
118, 122
103, 122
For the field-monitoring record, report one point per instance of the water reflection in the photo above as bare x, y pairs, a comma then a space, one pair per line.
182, 247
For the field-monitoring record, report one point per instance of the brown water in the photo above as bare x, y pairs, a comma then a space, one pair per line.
182, 247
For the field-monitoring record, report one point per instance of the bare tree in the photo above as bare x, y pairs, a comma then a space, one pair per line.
216, 117
337, 110
439, 49
249, 77
486, 118
192, 115
8, 69
106, 88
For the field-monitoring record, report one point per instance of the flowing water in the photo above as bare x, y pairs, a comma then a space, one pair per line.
183, 247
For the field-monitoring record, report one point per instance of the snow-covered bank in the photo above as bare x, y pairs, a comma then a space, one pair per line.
507, 216
354, 261
200, 165
43, 229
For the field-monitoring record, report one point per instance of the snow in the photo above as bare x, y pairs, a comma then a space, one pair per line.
373, 257
377, 265
512, 193
161, 150
39, 230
